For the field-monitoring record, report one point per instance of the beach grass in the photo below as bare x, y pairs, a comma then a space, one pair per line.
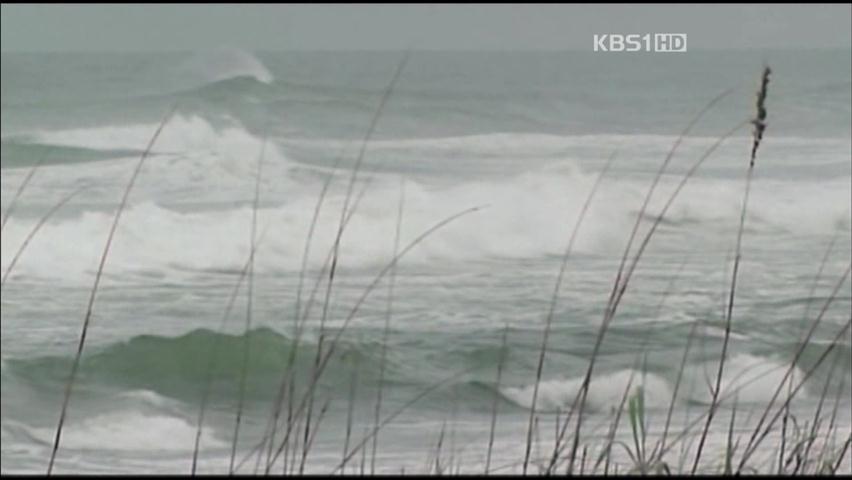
817, 446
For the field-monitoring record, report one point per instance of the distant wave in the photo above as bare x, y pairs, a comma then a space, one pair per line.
605, 391
21, 153
224, 63
529, 215
180, 366
749, 378
131, 431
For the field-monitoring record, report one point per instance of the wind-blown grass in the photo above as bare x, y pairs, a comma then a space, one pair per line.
89, 309
620, 285
205, 394
324, 362
497, 384
34, 231
20, 190
386, 329
293, 425
759, 126
553, 299
250, 297
336, 248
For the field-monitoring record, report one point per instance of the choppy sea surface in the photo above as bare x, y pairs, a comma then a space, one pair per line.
525, 135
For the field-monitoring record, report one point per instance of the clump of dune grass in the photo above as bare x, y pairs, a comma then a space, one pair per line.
214, 350
399, 411
287, 382
349, 317
301, 425
623, 277
497, 384
336, 248
758, 436
386, 329
346, 214
759, 123
287, 385
323, 357
802, 329
89, 309
644, 462
552, 307
250, 295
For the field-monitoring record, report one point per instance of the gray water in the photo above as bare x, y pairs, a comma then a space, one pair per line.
525, 135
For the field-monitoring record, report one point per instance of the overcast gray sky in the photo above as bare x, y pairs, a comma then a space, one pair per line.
394, 27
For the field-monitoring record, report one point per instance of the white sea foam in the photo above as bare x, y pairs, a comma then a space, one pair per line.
224, 63
182, 133
191, 160
526, 217
149, 397
528, 214
123, 431
606, 391
745, 379
748, 378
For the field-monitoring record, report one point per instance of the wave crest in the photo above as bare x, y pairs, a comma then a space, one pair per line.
223, 64
179, 367
605, 391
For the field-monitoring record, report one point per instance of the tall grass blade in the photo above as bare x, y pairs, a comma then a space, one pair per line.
89, 309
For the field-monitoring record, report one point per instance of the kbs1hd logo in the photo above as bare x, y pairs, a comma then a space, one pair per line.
634, 42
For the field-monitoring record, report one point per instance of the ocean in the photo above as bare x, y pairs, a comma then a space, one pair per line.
524, 136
